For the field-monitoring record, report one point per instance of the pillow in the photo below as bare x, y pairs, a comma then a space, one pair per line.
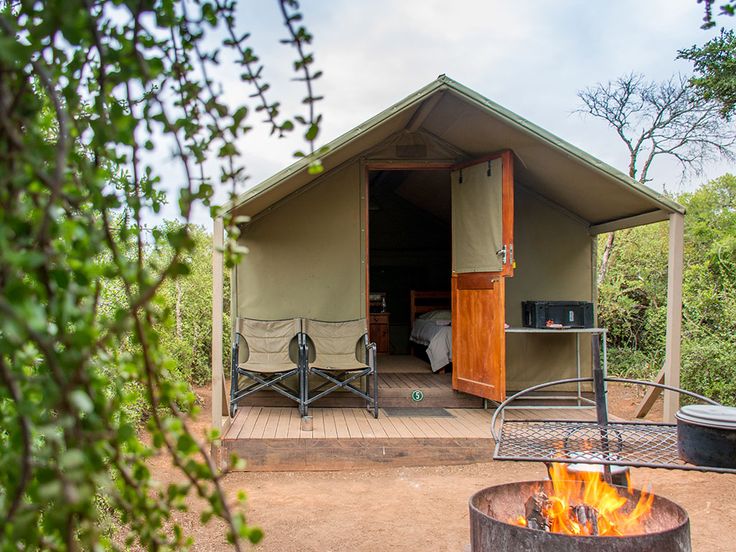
436, 315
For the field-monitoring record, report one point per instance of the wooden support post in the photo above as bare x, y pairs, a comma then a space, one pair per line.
217, 284
674, 315
650, 396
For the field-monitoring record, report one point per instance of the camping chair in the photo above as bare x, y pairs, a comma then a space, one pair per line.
267, 352
340, 354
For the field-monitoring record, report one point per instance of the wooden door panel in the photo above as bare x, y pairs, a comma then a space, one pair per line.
478, 296
478, 339
477, 280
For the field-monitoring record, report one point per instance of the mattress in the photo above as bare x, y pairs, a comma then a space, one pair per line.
436, 335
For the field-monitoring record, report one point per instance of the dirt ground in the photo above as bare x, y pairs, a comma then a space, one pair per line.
392, 509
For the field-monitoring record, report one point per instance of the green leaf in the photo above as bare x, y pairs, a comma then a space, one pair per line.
81, 401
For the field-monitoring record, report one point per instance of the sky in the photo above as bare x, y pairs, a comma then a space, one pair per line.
529, 56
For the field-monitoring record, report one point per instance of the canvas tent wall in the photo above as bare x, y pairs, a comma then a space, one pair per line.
307, 234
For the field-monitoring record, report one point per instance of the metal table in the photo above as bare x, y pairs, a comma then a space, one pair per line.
576, 332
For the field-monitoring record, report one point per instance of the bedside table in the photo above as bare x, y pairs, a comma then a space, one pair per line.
378, 330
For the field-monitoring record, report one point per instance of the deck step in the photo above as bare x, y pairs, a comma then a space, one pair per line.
387, 398
395, 390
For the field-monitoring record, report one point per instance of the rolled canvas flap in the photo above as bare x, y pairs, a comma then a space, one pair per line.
477, 217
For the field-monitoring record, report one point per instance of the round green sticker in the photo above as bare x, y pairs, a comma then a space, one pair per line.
417, 395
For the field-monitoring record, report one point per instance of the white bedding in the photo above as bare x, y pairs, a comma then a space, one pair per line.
436, 335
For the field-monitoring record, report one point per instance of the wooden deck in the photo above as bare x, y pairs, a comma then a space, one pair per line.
271, 439
398, 376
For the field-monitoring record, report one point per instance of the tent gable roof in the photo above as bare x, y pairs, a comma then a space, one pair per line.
455, 120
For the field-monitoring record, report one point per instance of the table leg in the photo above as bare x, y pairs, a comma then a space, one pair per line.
577, 367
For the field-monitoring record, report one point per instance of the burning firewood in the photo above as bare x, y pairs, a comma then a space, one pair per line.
587, 517
539, 514
535, 511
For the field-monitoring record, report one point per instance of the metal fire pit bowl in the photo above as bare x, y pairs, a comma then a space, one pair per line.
668, 526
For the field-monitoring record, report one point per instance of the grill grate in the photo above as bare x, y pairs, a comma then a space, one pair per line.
629, 444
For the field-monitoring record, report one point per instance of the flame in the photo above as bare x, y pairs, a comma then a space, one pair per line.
575, 489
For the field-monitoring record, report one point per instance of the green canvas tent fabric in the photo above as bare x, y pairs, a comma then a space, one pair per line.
308, 241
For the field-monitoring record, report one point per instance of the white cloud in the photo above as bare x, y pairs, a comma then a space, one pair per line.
531, 57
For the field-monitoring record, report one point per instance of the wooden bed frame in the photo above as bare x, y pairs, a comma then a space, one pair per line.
427, 301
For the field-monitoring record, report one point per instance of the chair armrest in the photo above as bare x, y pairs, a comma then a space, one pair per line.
370, 352
239, 344
303, 348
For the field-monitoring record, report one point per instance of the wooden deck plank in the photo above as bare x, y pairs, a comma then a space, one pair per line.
459, 428
330, 428
347, 454
259, 422
412, 381
365, 427
237, 423
248, 420
318, 423
376, 424
405, 380
282, 429
464, 428
341, 425
358, 423
455, 427
294, 426
389, 427
413, 428
443, 427
352, 424
473, 423
402, 431
269, 430
429, 426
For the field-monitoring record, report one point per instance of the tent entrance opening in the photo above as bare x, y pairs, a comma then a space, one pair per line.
410, 256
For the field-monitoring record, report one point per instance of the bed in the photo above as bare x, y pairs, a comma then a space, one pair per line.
431, 325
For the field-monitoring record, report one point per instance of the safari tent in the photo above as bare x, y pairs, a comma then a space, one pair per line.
448, 193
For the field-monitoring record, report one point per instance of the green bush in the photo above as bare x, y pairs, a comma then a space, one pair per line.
632, 302
624, 362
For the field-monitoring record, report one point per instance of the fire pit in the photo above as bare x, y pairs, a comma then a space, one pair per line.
493, 512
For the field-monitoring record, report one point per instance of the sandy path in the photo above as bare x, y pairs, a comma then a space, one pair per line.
423, 508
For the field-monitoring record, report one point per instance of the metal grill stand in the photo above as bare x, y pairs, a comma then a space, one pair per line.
635, 444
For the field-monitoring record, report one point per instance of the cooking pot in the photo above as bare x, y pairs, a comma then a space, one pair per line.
706, 435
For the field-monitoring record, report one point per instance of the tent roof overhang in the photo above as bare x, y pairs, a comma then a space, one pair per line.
563, 174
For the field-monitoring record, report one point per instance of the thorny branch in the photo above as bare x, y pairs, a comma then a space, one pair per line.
82, 100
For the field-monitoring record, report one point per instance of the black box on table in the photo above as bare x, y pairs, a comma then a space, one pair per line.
571, 314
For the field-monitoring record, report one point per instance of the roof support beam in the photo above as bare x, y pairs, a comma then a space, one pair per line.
421, 114
629, 222
674, 315
219, 398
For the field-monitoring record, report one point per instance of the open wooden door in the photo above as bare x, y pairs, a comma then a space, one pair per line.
482, 257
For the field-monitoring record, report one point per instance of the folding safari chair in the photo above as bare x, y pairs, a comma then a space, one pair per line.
267, 352
339, 353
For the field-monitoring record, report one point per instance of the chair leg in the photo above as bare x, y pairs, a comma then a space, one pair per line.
303, 391
305, 394
234, 382
375, 394
374, 379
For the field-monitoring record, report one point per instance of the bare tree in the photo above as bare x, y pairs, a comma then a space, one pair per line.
659, 119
